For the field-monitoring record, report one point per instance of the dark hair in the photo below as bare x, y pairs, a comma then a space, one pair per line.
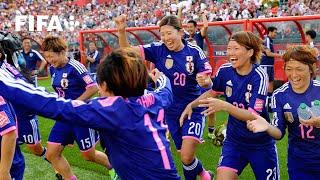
193, 22
311, 33
249, 41
3, 56
271, 29
25, 38
124, 73
55, 44
302, 53
171, 21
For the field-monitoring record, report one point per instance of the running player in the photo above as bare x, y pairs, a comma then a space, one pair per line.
11, 161
182, 63
303, 137
245, 87
71, 80
135, 135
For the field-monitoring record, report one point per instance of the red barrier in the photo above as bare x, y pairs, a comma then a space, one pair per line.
291, 32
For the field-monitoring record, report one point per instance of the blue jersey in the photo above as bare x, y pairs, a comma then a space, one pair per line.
22, 113
266, 60
71, 80
304, 141
246, 92
197, 37
7, 117
135, 136
8, 124
181, 68
32, 57
96, 56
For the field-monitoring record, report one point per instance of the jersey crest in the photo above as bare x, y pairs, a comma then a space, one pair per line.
189, 64
248, 93
229, 91
169, 62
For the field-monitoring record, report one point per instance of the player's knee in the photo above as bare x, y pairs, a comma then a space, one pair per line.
88, 156
38, 151
186, 158
52, 155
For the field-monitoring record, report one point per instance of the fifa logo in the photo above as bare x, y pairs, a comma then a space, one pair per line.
50, 23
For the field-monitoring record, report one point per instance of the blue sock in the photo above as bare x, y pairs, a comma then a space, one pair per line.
192, 170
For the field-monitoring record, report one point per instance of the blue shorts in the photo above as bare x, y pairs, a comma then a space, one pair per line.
192, 128
18, 165
263, 161
270, 71
66, 134
28, 131
303, 168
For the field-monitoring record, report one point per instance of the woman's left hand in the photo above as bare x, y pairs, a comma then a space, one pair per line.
313, 121
155, 74
203, 80
213, 105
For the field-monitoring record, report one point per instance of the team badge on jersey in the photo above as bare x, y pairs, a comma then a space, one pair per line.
288, 116
64, 83
248, 94
229, 91
31, 54
169, 62
4, 120
189, 64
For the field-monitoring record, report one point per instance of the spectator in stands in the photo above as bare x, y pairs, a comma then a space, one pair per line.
192, 34
93, 59
100, 16
310, 37
267, 60
31, 57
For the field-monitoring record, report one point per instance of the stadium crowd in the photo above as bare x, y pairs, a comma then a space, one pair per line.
100, 16
182, 92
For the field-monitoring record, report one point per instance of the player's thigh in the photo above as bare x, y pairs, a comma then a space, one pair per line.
188, 150
172, 121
